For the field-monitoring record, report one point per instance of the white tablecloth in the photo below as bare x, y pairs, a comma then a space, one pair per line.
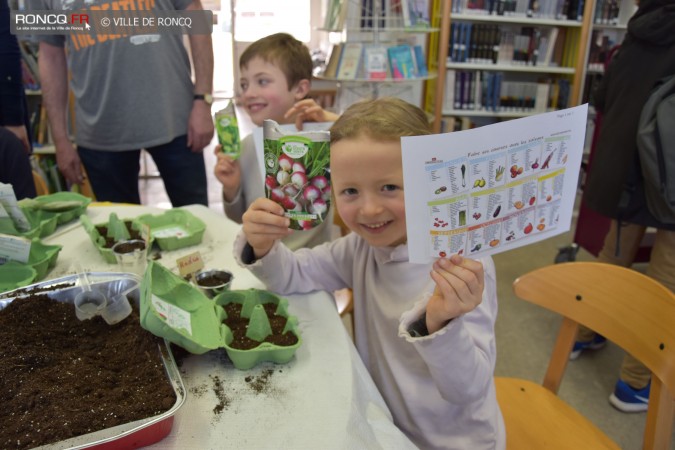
323, 398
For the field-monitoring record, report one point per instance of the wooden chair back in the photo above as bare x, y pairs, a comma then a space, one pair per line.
632, 310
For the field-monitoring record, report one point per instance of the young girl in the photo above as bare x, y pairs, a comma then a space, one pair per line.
425, 332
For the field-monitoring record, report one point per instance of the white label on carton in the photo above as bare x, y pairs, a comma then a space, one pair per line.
169, 232
14, 248
174, 316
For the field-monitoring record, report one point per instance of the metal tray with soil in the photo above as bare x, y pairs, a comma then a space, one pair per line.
74, 384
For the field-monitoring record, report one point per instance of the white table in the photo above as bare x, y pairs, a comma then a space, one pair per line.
323, 398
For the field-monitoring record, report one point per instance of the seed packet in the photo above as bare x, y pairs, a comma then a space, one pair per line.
297, 174
228, 130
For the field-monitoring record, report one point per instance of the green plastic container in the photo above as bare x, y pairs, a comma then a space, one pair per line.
179, 312
42, 224
99, 241
14, 275
65, 206
42, 257
174, 229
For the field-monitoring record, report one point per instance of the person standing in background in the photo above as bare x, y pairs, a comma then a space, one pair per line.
15, 145
615, 187
131, 93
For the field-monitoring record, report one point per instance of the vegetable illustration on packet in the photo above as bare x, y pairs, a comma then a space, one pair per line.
297, 173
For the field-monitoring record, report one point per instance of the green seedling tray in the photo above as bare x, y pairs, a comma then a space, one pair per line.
43, 202
42, 257
174, 229
259, 328
178, 311
14, 275
41, 224
99, 241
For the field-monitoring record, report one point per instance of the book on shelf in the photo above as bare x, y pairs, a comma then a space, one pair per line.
420, 61
401, 62
333, 61
350, 60
375, 62
336, 14
415, 13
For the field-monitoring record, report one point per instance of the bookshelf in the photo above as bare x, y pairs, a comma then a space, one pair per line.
502, 59
380, 47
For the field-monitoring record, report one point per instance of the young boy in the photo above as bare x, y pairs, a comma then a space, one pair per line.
425, 332
276, 73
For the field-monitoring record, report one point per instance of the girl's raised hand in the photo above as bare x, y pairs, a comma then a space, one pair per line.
459, 289
264, 223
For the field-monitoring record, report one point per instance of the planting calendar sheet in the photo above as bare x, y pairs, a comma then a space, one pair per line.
487, 190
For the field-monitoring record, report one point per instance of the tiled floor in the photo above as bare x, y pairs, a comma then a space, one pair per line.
524, 331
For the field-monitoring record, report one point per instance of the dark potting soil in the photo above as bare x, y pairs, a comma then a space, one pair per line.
129, 247
60, 377
214, 279
239, 324
109, 241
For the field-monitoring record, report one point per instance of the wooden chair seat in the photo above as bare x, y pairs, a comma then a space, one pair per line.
631, 310
536, 418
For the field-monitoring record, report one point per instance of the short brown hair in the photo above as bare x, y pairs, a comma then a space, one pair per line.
284, 51
386, 118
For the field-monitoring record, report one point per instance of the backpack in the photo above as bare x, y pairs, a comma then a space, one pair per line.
656, 150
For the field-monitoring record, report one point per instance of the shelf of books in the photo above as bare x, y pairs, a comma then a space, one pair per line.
382, 45
608, 30
510, 58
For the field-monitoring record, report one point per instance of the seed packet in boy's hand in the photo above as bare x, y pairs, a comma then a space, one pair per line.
297, 173
228, 131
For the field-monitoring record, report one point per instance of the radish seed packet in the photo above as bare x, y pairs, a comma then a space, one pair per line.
228, 131
297, 173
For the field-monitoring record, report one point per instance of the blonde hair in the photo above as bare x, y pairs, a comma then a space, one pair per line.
386, 118
284, 51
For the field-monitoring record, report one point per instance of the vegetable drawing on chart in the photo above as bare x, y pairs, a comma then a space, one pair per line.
463, 169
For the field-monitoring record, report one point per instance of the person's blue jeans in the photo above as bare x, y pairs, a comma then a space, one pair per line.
114, 174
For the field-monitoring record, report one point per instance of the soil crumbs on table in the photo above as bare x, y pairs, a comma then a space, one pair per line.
62, 378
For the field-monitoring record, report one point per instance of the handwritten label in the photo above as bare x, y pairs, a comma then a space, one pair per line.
14, 248
190, 264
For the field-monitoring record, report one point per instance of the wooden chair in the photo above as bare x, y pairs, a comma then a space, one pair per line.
630, 309
40, 184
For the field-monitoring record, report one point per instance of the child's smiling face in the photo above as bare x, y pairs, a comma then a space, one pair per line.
265, 91
367, 179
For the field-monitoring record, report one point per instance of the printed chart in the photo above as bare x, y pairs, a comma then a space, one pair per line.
491, 189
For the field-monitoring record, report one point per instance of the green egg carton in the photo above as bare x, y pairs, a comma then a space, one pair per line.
14, 275
174, 229
42, 257
178, 311
117, 231
41, 224
259, 329
65, 206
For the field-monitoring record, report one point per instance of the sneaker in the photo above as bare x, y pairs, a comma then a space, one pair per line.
594, 344
626, 399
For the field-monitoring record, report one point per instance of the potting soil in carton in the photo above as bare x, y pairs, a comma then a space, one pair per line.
179, 312
297, 174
